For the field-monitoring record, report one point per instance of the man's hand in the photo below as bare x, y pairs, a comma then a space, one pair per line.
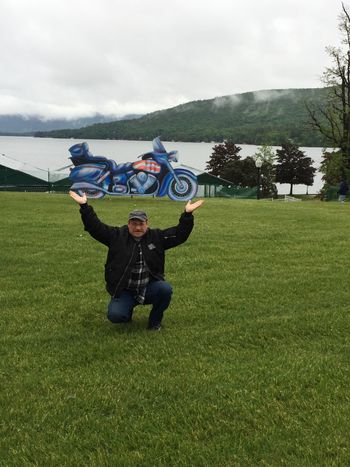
190, 207
79, 199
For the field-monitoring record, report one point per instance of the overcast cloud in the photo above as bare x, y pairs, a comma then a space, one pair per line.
74, 58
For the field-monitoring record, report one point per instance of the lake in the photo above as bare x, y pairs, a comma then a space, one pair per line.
38, 155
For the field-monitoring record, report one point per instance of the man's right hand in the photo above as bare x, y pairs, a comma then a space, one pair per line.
79, 199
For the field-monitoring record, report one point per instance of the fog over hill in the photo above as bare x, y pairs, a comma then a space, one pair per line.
29, 124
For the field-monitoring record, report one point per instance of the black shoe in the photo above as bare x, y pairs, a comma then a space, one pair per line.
154, 327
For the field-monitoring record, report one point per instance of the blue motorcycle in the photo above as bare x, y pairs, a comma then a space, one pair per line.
153, 175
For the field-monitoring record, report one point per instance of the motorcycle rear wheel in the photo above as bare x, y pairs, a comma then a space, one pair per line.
187, 191
91, 193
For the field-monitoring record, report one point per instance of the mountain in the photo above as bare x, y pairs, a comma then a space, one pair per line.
261, 117
23, 124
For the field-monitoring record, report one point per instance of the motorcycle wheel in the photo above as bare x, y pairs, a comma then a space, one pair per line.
187, 191
90, 193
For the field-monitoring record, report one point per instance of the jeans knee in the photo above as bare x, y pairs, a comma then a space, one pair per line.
164, 289
116, 314
118, 317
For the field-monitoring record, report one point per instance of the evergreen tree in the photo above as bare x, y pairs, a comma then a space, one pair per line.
293, 166
222, 155
241, 172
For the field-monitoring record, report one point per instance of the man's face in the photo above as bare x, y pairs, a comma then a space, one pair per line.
137, 228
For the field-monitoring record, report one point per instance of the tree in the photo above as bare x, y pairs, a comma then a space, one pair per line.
332, 119
225, 162
293, 166
332, 167
222, 155
267, 156
241, 172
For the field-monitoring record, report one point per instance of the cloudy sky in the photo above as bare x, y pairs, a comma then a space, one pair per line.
72, 58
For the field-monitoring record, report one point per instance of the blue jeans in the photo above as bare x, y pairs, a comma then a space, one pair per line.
158, 294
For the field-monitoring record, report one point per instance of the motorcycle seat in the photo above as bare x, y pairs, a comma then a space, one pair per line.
79, 160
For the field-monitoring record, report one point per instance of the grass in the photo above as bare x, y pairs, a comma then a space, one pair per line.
252, 367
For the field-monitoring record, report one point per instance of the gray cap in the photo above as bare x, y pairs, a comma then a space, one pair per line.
140, 215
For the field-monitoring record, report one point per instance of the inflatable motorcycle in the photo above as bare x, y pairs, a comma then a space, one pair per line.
152, 175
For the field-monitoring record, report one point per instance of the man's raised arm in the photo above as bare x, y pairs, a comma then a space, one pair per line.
176, 235
92, 224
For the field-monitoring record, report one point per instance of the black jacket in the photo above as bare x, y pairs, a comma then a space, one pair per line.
343, 188
122, 251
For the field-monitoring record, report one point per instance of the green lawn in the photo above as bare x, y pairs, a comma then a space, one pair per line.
251, 368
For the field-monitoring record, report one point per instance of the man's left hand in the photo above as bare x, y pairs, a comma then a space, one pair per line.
190, 207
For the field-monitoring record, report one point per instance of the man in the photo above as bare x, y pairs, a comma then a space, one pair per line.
343, 190
134, 270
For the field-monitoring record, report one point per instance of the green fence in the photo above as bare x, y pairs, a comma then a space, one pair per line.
237, 192
331, 193
210, 186
220, 191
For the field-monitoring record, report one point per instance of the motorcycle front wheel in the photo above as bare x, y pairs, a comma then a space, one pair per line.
91, 193
184, 192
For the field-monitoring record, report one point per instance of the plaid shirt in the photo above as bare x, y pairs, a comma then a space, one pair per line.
139, 277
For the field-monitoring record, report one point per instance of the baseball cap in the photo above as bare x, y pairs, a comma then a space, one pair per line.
140, 215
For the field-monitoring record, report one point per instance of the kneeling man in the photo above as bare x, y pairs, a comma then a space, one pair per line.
134, 270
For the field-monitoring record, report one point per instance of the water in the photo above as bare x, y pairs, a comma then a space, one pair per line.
40, 155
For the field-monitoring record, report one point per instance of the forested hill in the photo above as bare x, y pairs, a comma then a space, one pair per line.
262, 117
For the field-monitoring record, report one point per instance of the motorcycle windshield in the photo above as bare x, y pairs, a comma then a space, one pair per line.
158, 146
